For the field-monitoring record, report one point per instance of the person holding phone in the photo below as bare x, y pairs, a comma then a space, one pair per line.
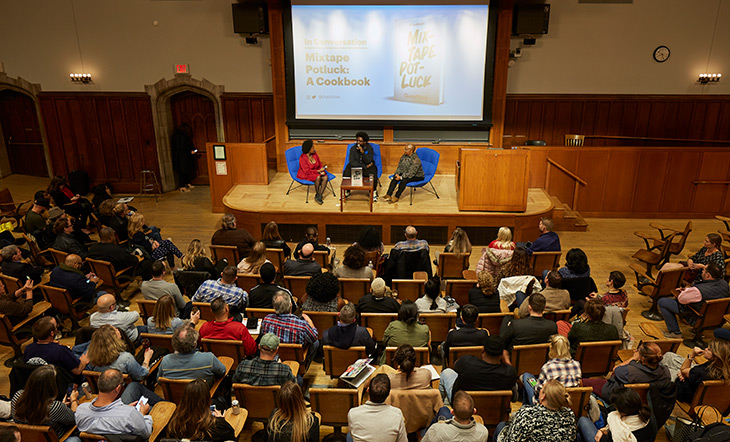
37, 403
196, 419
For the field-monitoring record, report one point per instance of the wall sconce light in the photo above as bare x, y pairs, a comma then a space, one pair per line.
709, 78
81, 78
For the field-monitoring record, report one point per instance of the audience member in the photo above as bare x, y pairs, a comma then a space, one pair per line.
36, 404
34, 220
311, 236
196, 259
576, 265
290, 421
411, 243
560, 366
548, 241
107, 313
107, 414
431, 301
354, 264
304, 265
533, 329
460, 425
230, 235
164, 319
107, 250
711, 251
156, 248
273, 240
262, 295
194, 420
47, 236
105, 211
485, 295
375, 420
16, 306
497, 253
120, 221
73, 203
70, 277
187, 362
459, 243
519, 265
13, 265
689, 375
347, 333
409, 169
551, 420
224, 327
615, 295
46, 349
157, 287
264, 369
594, 329
466, 334
9, 433
491, 372
379, 300
323, 294
289, 328
225, 288
370, 240
630, 421
107, 350
408, 376
253, 262
65, 240
406, 329
555, 297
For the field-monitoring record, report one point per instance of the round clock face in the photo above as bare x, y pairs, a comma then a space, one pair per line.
661, 54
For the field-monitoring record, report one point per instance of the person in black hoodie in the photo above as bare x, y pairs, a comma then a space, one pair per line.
347, 333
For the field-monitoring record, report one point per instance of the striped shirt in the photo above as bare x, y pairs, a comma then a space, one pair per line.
411, 245
234, 295
289, 328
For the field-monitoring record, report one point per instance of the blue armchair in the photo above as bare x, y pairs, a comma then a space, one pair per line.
292, 163
430, 161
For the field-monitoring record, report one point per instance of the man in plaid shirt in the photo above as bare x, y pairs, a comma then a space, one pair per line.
225, 288
289, 328
265, 369
412, 243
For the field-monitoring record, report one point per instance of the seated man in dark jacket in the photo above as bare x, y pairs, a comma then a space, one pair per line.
468, 334
532, 330
14, 266
377, 301
304, 265
65, 240
347, 333
312, 237
262, 295
70, 277
107, 250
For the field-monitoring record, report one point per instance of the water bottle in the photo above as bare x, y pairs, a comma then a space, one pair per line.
328, 241
370, 264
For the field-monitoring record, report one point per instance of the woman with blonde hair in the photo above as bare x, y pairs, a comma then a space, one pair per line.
484, 295
560, 366
196, 258
459, 243
253, 262
690, 375
497, 253
272, 239
108, 350
551, 420
193, 419
164, 320
291, 422
164, 249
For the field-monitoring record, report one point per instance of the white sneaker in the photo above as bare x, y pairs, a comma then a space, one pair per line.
375, 198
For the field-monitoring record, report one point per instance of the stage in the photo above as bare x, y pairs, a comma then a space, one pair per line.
256, 205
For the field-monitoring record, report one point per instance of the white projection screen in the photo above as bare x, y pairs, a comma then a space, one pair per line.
381, 61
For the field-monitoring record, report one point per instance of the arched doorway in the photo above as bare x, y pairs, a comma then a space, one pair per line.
22, 133
198, 112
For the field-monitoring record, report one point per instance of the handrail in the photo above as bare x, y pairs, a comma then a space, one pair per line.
674, 140
566, 171
269, 139
710, 182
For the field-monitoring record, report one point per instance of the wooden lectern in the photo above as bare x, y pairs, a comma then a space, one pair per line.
492, 180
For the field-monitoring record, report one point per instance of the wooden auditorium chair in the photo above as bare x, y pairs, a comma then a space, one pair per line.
333, 405
574, 140
676, 245
452, 265
654, 257
456, 352
439, 324
459, 289
493, 406
597, 358
60, 299
230, 253
115, 280
276, 256
492, 322
579, 397
410, 289
247, 281
377, 322
322, 320
15, 336
529, 358
663, 285
336, 360
259, 401
419, 406
541, 261
172, 389
352, 289
710, 316
297, 285
225, 347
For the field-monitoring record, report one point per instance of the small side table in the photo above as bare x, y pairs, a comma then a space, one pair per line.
346, 184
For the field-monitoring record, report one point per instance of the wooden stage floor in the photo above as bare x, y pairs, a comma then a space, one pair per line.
260, 204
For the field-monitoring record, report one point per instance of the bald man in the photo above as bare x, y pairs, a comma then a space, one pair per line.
69, 276
409, 169
304, 265
107, 313
412, 243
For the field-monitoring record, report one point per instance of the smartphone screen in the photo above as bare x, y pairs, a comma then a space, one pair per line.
142, 400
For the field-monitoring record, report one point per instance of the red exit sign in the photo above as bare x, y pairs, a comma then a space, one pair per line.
182, 69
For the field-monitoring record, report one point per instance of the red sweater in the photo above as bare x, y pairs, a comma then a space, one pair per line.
229, 329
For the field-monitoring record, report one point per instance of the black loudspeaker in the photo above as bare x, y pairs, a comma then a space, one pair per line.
530, 19
250, 18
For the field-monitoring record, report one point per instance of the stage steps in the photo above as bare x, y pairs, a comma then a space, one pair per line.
566, 218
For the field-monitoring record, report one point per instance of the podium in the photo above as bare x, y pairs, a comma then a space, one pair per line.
492, 180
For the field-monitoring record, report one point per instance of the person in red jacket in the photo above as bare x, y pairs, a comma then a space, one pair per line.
311, 169
226, 328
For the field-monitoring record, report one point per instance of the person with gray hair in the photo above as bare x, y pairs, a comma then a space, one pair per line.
107, 414
14, 266
230, 235
412, 243
347, 333
290, 328
187, 362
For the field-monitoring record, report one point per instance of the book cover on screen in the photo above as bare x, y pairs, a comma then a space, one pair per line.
419, 61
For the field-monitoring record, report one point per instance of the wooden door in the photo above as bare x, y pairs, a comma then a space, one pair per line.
22, 134
198, 111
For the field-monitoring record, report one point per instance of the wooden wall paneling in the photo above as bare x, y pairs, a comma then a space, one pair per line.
620, 181
670, 124
710, 128
548, 122
148, 145
723, 132
576, 119
698, 120
501, 65
656, 121
678, 189
538, 168
535, 120
714, 166
115, 157
134, 138
592, 168
561, 185
257, 116
588, 123
650, 178
615, 117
